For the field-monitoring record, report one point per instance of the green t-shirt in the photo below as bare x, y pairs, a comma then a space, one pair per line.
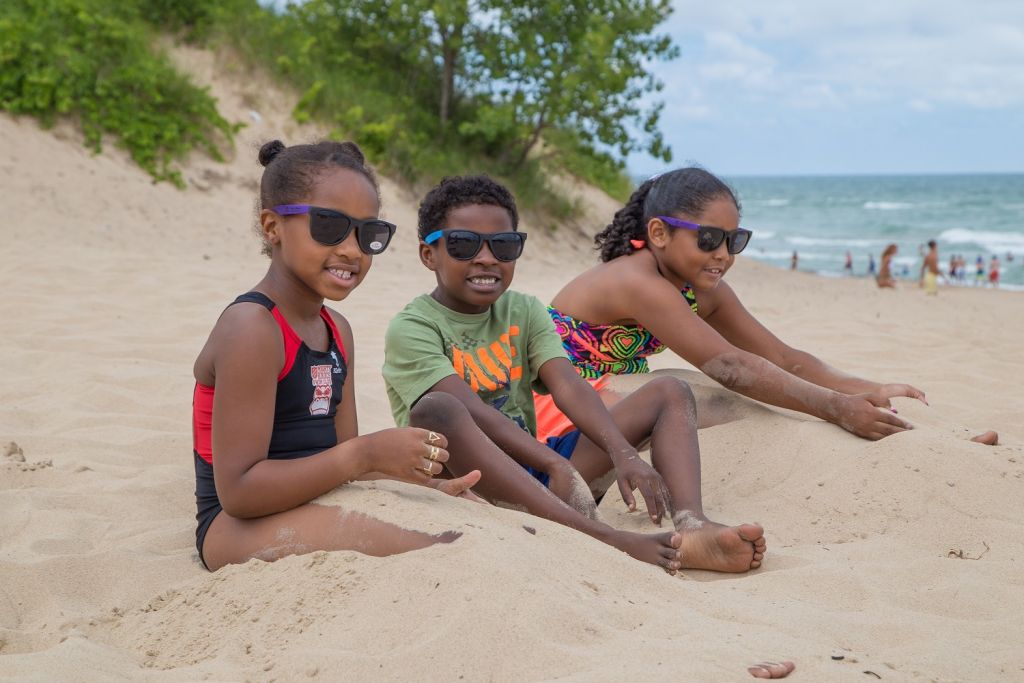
494, 352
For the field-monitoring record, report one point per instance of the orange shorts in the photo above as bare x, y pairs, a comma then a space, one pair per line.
550, 420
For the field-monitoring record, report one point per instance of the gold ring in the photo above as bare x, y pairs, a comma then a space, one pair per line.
428, 470
434, 452
433, 437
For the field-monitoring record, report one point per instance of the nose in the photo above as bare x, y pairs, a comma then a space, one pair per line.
349, 247
485, 255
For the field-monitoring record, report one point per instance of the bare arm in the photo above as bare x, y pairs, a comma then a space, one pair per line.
582, 405
732, 320
247, 355
664, 312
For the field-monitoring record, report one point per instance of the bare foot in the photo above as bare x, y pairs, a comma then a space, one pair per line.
716, 547
460, 487
989, 438
771, 669
660, 549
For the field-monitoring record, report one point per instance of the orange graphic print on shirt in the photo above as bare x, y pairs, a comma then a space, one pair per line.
489, 366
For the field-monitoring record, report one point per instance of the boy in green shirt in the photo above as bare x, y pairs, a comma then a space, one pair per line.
463, 361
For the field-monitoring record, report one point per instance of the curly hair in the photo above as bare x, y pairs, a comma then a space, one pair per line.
686, 191
455, 191
289, 172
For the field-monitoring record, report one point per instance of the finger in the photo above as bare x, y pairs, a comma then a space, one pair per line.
654, 508
913, 392
885, 430
437, 454
434, 438
459, 486
427, 468
626, 489
891, 419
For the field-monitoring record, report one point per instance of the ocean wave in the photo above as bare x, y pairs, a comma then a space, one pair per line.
773, 201
786, 255
988, 240
840, 242
887, 206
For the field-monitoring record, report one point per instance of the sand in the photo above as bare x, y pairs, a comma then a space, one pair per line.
902, 557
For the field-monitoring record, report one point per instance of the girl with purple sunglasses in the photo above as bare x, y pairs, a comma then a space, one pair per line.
274, 415
660, 285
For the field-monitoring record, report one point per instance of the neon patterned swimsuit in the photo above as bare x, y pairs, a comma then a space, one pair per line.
597, 350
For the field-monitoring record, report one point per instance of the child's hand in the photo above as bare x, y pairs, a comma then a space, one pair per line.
891, 390
869, 416
408, 453
633, 473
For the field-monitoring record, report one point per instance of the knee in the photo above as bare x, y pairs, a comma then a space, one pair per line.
674, 392
437, 411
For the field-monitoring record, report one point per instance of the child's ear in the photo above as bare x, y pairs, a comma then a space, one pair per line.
270, 224
427, 256
657, 233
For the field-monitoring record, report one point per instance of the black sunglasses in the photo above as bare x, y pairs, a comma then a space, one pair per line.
710, 238
330, 227
465, 244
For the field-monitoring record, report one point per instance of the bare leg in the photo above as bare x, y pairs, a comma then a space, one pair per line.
715, 404
305, 529
504, 481
663, 410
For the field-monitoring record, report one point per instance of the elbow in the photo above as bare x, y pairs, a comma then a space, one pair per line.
732, 369
237, 508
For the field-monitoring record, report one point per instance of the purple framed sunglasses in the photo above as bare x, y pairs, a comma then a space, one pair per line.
710, 238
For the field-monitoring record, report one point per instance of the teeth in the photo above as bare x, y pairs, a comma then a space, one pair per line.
343, 274
483, 280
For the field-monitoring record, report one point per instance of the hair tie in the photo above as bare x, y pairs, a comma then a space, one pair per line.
638, 244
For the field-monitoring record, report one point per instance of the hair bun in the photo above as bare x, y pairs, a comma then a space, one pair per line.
352, 149
269, 152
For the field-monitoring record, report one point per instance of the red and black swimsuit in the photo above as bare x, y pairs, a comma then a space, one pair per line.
308, 393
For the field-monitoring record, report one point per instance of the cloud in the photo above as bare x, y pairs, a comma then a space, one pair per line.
813, 54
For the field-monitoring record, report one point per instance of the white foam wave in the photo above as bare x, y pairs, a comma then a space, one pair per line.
988, 240
887, 206
836, 242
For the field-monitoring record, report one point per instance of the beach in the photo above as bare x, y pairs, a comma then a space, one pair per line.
900, 558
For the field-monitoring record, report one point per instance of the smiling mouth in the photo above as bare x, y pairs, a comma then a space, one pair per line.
483, 280
714, 271
341, 274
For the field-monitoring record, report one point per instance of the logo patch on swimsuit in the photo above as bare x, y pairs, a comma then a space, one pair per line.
322, 389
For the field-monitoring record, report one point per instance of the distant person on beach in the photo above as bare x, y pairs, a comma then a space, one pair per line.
848, 266
961, 269
793, 261
274, 415
660, 285
979, 271
871, 264
885, 278
467, 355
952, 267
930, 269
993, 271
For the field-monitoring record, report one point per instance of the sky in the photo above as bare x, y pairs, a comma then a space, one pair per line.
806, 87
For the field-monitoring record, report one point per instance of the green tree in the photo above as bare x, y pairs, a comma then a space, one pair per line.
576, 65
